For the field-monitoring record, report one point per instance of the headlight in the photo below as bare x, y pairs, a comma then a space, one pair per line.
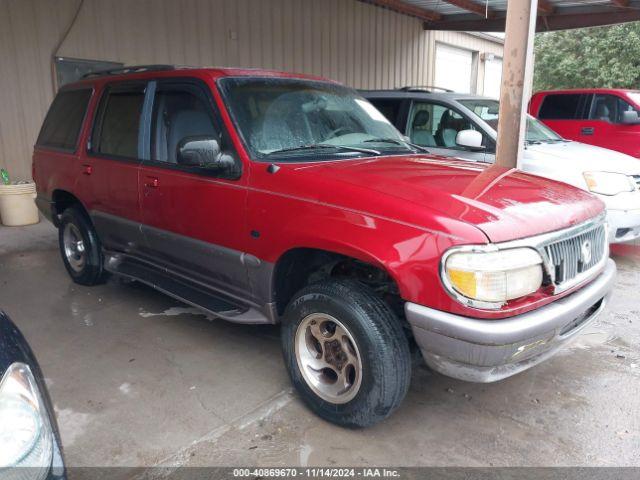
487, 279
26, 438
609, 183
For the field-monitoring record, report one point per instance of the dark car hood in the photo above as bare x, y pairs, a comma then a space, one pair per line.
503, 203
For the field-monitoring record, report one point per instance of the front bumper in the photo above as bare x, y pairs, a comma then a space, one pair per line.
624, 225
490, 350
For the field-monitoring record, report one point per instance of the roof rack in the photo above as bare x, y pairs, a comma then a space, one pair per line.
426, 88
129, 69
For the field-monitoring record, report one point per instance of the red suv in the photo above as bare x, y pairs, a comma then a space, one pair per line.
605, 117
266, 197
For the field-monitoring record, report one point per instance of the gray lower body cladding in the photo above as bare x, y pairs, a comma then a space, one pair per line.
228, 283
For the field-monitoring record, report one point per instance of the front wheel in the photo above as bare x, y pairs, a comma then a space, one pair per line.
346, 353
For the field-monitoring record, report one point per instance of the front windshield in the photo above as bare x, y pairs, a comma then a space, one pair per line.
307, 120
487, 110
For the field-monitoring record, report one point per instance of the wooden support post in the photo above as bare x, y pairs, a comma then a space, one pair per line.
517, 77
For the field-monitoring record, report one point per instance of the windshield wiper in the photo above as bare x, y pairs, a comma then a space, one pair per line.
397, 142
315, 146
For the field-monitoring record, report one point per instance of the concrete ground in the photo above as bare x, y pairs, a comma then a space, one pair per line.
139, 379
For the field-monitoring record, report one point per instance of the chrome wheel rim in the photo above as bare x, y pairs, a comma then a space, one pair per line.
328, 358
73, 247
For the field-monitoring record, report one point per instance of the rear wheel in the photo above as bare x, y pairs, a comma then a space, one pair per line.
80, 247
346, 352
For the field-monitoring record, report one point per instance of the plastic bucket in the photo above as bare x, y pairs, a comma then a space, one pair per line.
17, 205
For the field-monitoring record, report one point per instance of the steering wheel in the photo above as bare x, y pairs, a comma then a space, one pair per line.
334, 133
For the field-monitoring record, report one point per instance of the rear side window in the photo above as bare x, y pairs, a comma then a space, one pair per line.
389, 108
63, 122
560, 107
118, 122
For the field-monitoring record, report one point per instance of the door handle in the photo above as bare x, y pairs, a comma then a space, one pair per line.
152, 182
587, 130
87, 169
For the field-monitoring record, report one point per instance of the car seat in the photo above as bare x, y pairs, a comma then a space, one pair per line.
419, 133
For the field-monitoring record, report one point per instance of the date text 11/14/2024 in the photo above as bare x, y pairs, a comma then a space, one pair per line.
317, 472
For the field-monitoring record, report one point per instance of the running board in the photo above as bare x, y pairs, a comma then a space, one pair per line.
184, 290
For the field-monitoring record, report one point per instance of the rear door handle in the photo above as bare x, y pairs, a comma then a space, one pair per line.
152, 182
587, 130
87, 169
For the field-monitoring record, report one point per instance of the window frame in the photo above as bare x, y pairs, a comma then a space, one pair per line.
98, 118
218, 123
75, 148
489, 148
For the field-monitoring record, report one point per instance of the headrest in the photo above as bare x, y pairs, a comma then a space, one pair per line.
421, 119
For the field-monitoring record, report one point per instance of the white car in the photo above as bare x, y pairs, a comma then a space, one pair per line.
612, 176
464, 126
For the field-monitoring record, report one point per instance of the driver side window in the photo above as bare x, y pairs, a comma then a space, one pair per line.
608, 108
179, 112
434, 125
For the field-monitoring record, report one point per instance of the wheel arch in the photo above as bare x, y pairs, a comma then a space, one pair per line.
301, 266
61, 200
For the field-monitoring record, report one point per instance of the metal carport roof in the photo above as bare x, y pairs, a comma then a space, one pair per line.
519, 19
490, 15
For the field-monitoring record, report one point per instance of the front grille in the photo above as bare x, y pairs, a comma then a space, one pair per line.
576, 255
637, 180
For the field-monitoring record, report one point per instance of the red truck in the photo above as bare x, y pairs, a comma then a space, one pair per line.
605, 117
266, 197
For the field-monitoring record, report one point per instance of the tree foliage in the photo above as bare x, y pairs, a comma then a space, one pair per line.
588, 57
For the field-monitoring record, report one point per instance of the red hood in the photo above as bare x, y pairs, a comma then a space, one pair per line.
439, 193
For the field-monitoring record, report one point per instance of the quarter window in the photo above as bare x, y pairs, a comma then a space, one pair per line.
118, 127
63, 122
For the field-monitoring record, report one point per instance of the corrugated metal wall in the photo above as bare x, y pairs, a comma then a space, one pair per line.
29, 32
354, 42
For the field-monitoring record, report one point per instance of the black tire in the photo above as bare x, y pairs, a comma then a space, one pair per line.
92, 270
380, 340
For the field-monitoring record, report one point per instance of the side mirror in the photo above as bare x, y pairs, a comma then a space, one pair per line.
630, 117
204, 152
471, 139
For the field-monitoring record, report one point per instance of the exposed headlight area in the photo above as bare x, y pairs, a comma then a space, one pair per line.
26, 437
609, 183
484, 277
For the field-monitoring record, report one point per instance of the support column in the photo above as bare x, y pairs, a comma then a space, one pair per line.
517, 77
